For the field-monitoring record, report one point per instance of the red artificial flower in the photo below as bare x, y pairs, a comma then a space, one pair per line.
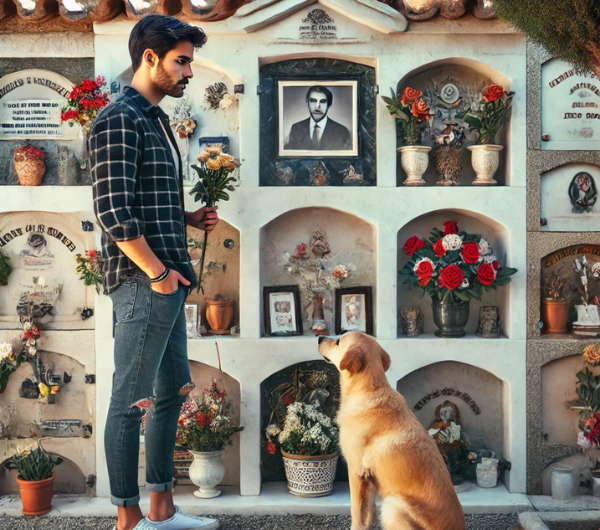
420, 109
439, 249
412, 245
451, 277
410, 95
301, 251
202, 419
424, 272
288, 400
495, 264
271, 448
450, 227
180, 422
486, 274
92, 253
471, 253
493, 92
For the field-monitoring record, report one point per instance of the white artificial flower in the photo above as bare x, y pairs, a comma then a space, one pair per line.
271, 431
6, 351
484, 247
490, 258
416, 267
583, 441
227, 101
465, 284
452, 242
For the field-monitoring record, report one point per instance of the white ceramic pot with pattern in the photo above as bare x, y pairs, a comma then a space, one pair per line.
207, 470
414, 160
485, 160
310, 476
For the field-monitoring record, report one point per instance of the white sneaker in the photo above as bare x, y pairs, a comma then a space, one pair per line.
142, 525
182, 521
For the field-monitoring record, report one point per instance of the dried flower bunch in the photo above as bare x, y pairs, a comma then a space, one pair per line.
205, 425
554, 286
9, 362
85, 101
412, 112
494, 112
28, 152
33, 465
306, 431
89, 269
218, 97
181, 121
453, 266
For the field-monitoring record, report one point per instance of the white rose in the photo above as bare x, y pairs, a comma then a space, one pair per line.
6, 350
452, 242
484, 247
465, 284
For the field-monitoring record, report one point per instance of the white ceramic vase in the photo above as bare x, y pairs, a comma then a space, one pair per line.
561, 482
485, 160
206, 471
414, 160
310, 476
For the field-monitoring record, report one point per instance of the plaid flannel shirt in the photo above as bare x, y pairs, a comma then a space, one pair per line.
137, 191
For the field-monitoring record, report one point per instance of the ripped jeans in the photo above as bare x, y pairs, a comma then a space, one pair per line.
152, 378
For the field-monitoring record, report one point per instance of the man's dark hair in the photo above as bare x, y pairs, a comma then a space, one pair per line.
161, 33
322, 89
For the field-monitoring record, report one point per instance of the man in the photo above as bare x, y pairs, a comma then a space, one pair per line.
319, 132
138, 200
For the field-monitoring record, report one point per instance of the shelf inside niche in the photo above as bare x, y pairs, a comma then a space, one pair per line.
467, 337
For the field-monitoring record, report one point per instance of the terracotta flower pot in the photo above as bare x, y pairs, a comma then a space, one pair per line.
219, 315
37, 495
30, 171
555, 315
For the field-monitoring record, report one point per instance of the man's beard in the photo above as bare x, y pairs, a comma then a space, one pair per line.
169, 87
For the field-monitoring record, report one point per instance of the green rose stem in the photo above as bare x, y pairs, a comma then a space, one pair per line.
210, 189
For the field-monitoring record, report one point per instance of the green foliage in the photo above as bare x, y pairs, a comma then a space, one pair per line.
588, 390
89, 269
409, 127
489, 120
569, 29
33, 465
5, 268
7, 367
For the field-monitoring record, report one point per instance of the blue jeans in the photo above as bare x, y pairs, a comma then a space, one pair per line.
152, 378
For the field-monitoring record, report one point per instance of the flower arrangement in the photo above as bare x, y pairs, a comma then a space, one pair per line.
412, 112
89, 269
214, 169
5, 268
9, 362
28, 152
588, 403
33, 465
555, 285
85, 101
218, 97
494, 111
453, 266
181, 121
204, 425
305, 431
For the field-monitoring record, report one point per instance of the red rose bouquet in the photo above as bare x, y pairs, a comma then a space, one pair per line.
85, 101
453, 266
494, 111
411, 111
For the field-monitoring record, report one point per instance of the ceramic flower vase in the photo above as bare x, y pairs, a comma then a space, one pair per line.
414, 160
485, 159
219, 314
207, 470
310, 476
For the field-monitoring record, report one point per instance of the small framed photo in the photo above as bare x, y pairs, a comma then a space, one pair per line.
354, 310
318, 118
282, 313
191, 321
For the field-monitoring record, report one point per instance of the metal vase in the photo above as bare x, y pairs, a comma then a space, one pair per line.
450, 318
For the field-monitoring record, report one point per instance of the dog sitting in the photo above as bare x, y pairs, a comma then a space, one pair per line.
387, 450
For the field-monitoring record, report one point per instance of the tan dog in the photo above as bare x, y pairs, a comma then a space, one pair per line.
387, 450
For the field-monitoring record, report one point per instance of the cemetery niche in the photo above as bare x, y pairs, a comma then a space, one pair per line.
569, 195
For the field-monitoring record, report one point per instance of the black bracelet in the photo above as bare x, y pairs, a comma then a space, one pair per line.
162, 276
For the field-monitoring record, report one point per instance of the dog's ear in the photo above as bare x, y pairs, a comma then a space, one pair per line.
354, 360
385, 359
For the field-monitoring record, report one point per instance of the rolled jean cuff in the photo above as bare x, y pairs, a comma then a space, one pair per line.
125, 503
160, 487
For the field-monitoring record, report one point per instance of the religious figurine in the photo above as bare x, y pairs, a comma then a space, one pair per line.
587, 324
319, 175
351, 176
412, 320
583, 192
488, 322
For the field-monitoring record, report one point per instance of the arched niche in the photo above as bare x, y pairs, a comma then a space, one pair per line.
74, 401
352, 242
221, 267
559, 380
468, 78
69, 478
298, 381
569, 198
479, 395
495, 233
211, 124
47, 267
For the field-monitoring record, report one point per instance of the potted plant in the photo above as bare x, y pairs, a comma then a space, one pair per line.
452, 267
411, 112
205, 429
219, 314
35, 479
487, 122
555, 305
308, 441
30, 165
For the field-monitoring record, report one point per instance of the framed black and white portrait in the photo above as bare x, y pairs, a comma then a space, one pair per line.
354, 310
318, 118
282, 313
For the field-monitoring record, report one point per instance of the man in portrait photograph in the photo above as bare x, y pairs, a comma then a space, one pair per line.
319, 132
